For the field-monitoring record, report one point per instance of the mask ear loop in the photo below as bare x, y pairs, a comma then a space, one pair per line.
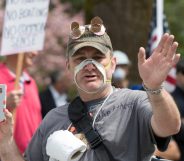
107, 67
98, 66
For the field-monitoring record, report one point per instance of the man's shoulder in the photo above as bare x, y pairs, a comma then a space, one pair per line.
59, 112
56, 117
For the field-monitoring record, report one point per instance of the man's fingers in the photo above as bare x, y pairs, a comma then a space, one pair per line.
18, 92
8, 114
9, 117
176, 59
167, 45
141, 56
172, 50
161, 43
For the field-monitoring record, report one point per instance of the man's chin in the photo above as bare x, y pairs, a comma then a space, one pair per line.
93, 89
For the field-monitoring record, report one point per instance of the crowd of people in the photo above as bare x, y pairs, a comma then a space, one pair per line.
116, 123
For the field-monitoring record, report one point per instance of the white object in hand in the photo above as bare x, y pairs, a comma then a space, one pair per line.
62, 145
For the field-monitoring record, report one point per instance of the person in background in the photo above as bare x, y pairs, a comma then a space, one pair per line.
57, 92
24, 102
120, 75
124, 124
178, 95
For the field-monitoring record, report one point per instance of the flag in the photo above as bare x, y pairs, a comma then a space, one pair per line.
158, 27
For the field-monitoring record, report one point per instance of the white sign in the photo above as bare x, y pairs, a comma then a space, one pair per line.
24, 25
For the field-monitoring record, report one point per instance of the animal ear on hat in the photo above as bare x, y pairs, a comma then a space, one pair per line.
96, 20
96, 24
74, 25
75, 29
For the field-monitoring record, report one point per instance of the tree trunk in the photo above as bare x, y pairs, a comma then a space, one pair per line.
127, 23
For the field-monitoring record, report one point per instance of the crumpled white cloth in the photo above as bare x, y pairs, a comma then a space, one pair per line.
62, 145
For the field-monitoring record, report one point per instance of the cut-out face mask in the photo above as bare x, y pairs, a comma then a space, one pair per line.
100, 68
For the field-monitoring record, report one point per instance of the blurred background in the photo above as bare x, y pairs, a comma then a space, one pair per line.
126, 21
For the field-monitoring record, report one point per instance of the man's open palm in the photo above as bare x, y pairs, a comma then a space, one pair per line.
155, 69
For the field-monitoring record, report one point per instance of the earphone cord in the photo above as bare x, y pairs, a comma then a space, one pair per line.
101, 107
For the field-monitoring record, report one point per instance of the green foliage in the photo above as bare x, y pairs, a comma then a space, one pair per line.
174, 12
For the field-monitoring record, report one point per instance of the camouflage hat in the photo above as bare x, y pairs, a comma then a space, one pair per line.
87, 37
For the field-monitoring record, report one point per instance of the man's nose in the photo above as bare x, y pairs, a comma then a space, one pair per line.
89, 67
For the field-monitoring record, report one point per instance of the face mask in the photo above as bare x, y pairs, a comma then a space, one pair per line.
119, 74
100, 68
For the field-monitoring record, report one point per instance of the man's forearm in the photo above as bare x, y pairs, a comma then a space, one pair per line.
166, 118
9, 152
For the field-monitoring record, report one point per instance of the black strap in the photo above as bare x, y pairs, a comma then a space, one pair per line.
78, 115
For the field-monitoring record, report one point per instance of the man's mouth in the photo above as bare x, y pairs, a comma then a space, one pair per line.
90, 77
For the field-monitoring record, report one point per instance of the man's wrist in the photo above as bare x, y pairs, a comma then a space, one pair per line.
152, 91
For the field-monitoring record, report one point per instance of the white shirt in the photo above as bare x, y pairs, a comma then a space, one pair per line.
60, 99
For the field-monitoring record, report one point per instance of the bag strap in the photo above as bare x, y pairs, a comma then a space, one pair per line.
82, 121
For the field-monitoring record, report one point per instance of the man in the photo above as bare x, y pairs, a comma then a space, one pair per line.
56, 94
24, 101
120, 75
129, 122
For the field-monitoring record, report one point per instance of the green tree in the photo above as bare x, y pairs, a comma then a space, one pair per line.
174, 11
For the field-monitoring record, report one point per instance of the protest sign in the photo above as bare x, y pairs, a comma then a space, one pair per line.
24, 25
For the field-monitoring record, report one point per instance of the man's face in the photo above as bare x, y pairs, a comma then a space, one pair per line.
89, 78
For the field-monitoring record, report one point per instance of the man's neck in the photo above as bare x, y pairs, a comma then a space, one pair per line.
101, 94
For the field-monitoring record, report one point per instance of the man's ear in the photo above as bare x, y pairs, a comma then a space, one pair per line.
113, 63
67, 64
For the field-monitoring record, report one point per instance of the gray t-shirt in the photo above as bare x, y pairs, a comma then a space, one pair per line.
124, 123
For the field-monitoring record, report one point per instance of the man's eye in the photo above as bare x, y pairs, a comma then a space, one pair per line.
98, 58
80, 59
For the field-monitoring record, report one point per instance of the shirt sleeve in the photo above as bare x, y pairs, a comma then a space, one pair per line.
161, 142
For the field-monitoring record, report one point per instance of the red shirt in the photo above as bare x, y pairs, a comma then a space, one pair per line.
28, 113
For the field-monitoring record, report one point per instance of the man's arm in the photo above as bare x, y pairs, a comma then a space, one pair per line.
153, 71
8, 148
166, 118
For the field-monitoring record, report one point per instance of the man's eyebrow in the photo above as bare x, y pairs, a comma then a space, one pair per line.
98, 52
78, 53
78, 56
